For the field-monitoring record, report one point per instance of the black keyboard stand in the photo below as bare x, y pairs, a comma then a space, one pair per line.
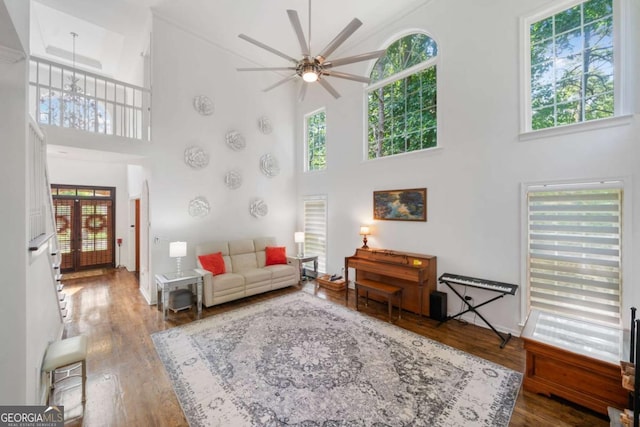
473, 308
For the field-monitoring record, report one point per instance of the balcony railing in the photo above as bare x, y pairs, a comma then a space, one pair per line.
62, 96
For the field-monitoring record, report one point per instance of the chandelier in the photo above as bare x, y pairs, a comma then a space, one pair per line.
72, 107
74, 98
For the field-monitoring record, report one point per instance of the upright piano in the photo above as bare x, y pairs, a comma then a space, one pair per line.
414, 273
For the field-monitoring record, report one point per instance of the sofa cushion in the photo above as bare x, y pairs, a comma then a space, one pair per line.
256, 275
275, 255
243, 262
227, 281
213, 263
237, 247
281, 270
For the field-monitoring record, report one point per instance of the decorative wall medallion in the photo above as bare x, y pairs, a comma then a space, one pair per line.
269, 165
199, 207
203, 105
264, 124
258, 208
196, 157
233, 179
235, 140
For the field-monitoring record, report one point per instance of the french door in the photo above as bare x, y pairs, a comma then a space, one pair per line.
85, 224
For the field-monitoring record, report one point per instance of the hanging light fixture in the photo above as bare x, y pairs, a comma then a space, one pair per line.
74, 96
71, 107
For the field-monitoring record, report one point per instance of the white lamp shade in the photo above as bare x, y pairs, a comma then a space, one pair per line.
364, 230
298, 237
177, 249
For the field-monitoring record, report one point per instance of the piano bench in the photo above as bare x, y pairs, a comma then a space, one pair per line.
379, 288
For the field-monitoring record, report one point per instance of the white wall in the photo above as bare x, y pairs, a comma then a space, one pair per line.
184, 66
28, 308
474, 179
99, 174
13, 226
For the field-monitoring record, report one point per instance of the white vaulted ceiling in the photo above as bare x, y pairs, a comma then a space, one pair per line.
113, 33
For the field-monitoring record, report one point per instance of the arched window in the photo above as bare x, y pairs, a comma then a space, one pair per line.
402, 107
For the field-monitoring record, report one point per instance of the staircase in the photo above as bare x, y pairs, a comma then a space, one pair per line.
54, 255
42, 218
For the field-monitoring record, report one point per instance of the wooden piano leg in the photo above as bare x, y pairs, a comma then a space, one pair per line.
356, 288
400, 304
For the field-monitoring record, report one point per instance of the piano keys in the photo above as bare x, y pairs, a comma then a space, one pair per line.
489, 285
414, 273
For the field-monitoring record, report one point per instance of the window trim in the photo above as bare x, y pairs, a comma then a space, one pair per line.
621, 102
305, 134
431, 62
626, 257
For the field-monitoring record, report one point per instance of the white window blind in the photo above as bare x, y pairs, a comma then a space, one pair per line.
574, 252
315, 229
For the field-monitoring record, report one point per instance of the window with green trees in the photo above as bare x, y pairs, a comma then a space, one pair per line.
315, 133
402, 107
572, 65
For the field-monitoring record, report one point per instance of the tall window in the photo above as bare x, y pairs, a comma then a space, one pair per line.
315, 229
572, 65
574, 251
315, 125
402, 104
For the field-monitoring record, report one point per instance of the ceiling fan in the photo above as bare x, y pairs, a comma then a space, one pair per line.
315, 68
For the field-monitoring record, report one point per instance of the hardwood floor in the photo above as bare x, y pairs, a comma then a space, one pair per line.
127, 384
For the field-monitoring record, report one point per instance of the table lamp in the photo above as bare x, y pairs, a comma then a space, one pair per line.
298, 237
364, 231
178, 250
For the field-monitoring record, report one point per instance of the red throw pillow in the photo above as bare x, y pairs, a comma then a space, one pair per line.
213, 263
275, 255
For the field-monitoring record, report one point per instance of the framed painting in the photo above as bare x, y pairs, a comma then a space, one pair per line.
400, 205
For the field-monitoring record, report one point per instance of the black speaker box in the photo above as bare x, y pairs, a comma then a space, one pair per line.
438, 306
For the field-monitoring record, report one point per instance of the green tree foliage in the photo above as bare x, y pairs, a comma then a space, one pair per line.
316, 141
402, 113
572, 72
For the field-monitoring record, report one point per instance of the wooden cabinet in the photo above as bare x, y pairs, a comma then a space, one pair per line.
574, 360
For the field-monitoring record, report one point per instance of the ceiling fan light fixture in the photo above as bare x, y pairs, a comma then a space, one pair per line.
315, 68
309, 73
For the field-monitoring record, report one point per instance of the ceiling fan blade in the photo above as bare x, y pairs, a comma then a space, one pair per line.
347, 76
297, 27
283, 81
270, 49
325, 84
354, 58
266, 69
340, 38
303, 91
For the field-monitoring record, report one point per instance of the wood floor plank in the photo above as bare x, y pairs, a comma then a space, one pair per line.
127, 384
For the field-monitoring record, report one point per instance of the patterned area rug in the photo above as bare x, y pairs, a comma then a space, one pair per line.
298, 360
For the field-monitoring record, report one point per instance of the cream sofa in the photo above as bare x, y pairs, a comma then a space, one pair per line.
246, 273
